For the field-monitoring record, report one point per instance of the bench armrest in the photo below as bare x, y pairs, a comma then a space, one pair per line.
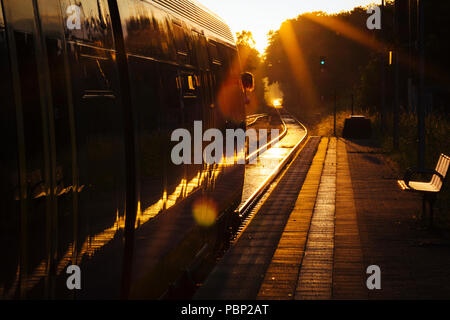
410, 172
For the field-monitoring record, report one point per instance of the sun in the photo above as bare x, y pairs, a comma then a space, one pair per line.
261, 16
277, 103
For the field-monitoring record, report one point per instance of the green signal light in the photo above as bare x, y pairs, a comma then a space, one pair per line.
323, 60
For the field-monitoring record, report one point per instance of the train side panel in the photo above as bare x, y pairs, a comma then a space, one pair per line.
64, 173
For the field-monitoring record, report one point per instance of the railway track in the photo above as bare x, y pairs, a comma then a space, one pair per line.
261, 177
251, 119
270, 186
272, 158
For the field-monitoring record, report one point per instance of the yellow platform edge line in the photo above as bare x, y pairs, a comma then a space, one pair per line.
281, 276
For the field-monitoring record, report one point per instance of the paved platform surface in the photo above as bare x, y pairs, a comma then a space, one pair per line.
414, 261
240, 272
323, 225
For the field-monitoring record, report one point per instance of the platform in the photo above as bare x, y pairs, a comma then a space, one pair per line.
335, 210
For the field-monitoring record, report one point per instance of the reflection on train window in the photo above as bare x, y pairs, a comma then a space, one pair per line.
31, 112
214, 55
164, 47
61, 114
225, 56
200, 50
189, 84
170, 96
179, 38
192, 105
95, 23
142, 30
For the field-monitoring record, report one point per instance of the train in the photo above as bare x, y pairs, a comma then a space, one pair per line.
90, 91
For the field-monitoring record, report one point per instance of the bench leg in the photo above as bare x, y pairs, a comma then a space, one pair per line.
430, 199
431, 213
424, 208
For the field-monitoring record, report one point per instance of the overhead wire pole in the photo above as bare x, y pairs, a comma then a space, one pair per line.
410, 56
397, 43
323, 66
421, 104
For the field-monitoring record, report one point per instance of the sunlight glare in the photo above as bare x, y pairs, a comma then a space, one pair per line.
204, 211
297, 61
277, 103
261, 16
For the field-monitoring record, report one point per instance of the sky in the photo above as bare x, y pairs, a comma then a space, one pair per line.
261, 16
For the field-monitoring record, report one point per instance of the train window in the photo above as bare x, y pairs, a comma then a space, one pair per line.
213, 54
192, 105
95, 25
170, 97
31, 112
189, 84
146, 32
61, 113
200, 49
163, 44
149, 109
224, 56
179, 39
137, 23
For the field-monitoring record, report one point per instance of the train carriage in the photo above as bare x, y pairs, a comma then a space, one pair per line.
90, 93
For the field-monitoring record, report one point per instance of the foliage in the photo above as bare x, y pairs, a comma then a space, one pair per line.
354, 57
297, 48
251, 61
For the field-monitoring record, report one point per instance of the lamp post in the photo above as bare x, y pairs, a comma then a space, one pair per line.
397, 41
383, 74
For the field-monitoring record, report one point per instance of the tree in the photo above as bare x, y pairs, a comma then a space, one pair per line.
293, 60
251, 62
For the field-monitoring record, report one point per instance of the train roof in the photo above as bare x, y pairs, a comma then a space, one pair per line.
197, 13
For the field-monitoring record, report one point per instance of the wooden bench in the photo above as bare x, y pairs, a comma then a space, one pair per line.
429, 189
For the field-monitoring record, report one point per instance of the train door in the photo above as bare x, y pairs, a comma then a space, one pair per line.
10, 209
31, 232
63, 228
205, 90
214, 77
100, 145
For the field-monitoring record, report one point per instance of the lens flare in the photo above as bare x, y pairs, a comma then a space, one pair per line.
204, 211
277, 103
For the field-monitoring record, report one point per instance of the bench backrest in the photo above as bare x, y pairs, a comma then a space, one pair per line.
442, 168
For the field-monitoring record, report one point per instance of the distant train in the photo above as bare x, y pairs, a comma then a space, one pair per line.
90, 91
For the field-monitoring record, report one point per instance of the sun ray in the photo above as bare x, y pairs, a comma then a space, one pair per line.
370, 41
297, 61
